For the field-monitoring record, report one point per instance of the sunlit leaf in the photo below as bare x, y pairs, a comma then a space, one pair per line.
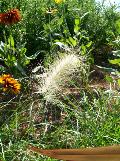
115, 61
109, 79
118, 82
11, 41
89, 44
23, 51
76, 29
73, 41
77, 21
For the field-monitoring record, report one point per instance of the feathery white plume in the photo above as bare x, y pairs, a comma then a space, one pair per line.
60, 73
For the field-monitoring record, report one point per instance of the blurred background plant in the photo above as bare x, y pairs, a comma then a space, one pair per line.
39, 26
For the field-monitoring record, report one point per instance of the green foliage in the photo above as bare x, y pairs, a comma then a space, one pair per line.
116, 53
89, 120
39, 27
14, 58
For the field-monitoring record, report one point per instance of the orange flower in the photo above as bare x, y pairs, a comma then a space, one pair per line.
9, 83
10, 17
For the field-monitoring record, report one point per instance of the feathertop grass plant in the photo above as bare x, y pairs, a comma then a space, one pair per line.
59, 75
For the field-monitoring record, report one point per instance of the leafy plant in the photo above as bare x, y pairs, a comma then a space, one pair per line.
15, 59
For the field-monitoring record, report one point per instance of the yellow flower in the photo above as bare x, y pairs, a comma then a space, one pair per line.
10, 83
58, 1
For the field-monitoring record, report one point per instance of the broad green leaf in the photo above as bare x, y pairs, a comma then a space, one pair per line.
83, 49
11, 41
76, 29
118, 25
118, 82
13, 59
9, 58
89, 44
109, 79
69, 42
26, 62
23, 51
115, 61
73, 41
77, 21
60, 21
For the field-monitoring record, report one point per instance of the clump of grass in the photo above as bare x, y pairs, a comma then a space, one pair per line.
87, 120
60, 74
